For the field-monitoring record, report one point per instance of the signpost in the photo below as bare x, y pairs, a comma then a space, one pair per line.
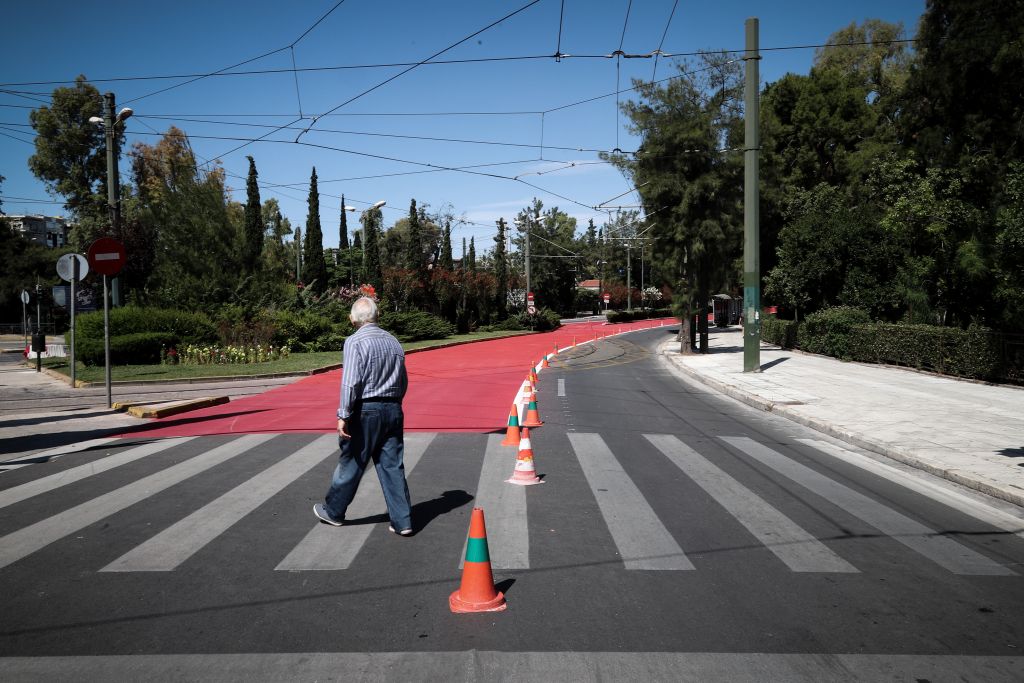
107, 257
530, 307
607, 300
72, 267
24, 315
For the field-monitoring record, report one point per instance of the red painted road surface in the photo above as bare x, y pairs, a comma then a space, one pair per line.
465, 388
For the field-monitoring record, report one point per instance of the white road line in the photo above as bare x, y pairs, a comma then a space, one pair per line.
561, 387
52, 453
944, 551
175, 544
326, 547
15, 546
642, 540
936, 491
508, 538
799, 550
17, 494
484, 665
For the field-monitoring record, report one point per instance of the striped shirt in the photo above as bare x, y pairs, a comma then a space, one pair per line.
373, 367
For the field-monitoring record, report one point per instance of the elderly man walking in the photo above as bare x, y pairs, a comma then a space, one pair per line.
370, 421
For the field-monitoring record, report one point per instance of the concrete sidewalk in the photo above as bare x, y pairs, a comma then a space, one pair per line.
968, 432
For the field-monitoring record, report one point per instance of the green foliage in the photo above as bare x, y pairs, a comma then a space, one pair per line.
830, 331
780, 332
501, 271
637, 314
412, 326
970, 353
545, 320
314, 268
139, 348
184, 326
513, 324
252, 237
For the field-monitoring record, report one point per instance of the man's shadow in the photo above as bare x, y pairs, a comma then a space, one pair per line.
425, 511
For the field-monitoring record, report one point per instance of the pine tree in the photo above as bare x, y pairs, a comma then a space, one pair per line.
314, 272
252, 238
371, 247
446, 247
357, 239
472, 255
343, 227
298, 254
500, 271
465, 259
414, 243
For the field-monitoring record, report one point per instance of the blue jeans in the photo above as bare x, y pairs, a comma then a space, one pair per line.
377, 434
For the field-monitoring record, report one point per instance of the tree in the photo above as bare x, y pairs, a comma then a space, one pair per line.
472, 255
314, 271
343, 226
252, 242
372, 220
446, 261
552, 238
500, 272
70, 152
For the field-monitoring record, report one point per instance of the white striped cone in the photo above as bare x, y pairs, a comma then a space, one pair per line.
524, 474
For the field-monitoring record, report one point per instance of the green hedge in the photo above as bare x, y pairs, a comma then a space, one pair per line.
780, 332
187, 327
416, 325
629, 316
544, 321
513, 324
951, 351
141, 348
829, 331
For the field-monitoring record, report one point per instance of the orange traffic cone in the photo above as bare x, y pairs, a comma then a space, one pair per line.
532, 416
533, 378
525, 474
544, 363
477, 592
555, 352
574, 341
512, 433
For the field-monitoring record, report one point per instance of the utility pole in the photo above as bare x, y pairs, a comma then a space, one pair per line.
629, 277
751, 213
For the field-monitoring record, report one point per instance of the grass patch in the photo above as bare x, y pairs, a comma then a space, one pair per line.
295, 362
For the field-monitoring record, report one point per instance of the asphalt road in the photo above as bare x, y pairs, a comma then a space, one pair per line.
677, 536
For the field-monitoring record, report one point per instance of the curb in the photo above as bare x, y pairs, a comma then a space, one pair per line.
155, 410
903, 456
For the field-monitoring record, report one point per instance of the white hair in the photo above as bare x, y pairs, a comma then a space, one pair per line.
364, 310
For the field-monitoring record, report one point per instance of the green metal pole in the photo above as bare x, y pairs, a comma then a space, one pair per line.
751, 214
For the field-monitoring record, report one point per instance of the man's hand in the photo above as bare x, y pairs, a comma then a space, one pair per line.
341, 430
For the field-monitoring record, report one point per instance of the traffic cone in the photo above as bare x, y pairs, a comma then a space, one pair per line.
532, 416
544, 363
533, 378
574, 341
555, 352
512, 433
477, 592
525, 474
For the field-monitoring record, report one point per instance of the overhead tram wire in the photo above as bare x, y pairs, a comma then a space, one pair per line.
418, 64
657, 53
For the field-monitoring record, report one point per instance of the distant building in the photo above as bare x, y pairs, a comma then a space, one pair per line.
592, 285
50, 231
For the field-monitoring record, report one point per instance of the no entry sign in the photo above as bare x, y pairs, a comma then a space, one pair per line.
106, 256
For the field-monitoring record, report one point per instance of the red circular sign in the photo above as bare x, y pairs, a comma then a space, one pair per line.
106, 256
607, 298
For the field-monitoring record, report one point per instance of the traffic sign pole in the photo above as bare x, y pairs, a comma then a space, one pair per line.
74, 279
107, 257
106, 340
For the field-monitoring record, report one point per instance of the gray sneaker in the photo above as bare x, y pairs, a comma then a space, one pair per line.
321, 512
402, 532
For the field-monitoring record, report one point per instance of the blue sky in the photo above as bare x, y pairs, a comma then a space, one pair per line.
56, 41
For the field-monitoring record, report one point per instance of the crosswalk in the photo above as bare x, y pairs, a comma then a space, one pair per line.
642, 537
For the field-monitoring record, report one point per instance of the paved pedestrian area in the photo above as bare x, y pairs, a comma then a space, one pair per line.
968, 432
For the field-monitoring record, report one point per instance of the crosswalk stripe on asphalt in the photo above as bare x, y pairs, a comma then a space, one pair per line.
642, 540
25, 541
799, 550
944, 551
172, 546
508, 537
326, 547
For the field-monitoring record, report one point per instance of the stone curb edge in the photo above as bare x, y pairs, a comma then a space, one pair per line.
151, 410
956, 476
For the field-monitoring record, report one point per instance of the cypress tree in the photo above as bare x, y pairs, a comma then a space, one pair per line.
314, 273
252, 242
357, 239
446, 247
472, 254
298, 254
500, 271
371, 248
465, 261
414, 243
343, 227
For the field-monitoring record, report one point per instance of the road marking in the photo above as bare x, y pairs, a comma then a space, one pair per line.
47, 455
175, 544
944, 551
561, 387
642, 540
799, 550
934, 490
326, 547
508, 537
484, 665
28, 540
17, 494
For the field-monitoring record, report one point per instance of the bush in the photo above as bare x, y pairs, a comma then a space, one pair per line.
544, 321
780, 332
186, 326
830, 331
513, 324
413, 326
970, 353
300, 331
141, 348
629, 316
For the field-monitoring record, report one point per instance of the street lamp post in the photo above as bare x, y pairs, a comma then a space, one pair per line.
524, 227
362, 219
